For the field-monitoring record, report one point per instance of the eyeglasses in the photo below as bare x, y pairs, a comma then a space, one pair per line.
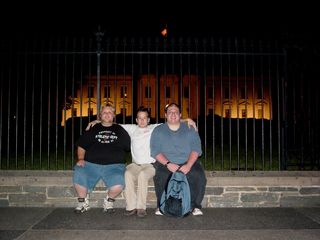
173, 113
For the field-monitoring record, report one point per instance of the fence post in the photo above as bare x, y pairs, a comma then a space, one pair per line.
99, 36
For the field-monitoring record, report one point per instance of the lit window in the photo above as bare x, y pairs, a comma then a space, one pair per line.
244, 113
227, 113
259, 93
210, 92
123, 92
186, 92
74, 113
90, 91
226, 93
242, 93
107, 91
90, 111
147, 92
168, 92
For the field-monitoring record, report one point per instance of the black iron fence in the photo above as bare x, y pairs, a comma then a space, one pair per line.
254, 101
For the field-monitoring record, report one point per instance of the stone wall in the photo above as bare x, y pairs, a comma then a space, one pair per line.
224, 189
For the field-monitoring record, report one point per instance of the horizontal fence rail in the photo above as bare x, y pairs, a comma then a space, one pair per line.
254, 105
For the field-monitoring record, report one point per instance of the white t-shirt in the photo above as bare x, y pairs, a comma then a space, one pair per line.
140, 142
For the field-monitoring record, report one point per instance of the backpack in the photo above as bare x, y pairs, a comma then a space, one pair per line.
176, 200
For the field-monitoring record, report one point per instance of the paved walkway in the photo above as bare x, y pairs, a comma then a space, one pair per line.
217, 223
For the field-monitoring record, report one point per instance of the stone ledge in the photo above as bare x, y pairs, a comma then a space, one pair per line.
224, 189
241, 178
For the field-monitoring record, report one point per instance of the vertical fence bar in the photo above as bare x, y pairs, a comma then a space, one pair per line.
222, 107
157, 90
133, 96
99, 36
245, 104
49, 106
181, 68
72, 103
261, 90
89, 86
16, 117
65, 65
125, 89
1, 111
180, 81
204, 44
57, 108
148, 92
140, 72
115, 64
284, 116
253, 107
9, 115
278, 116
270, 112
41, 104
33, 104
213, 105
164, 76
189, 75
25, 109
237, 103
81, 87
107, 72
197, 81
230, 104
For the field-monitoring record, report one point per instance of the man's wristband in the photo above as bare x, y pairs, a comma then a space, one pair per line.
167, 163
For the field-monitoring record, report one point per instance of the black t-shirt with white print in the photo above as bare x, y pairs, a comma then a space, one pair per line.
105, 145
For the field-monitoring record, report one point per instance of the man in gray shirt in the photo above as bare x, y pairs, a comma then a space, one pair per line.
177, 147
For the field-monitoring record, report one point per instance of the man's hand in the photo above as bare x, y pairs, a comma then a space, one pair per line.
191, 123
172, 167
91, 124
185, 169
81, 163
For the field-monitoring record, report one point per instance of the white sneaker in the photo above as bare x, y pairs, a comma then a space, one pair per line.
158, 212
108, 205
197, 212
83, 205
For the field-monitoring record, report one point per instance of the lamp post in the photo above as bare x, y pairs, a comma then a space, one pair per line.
99, 36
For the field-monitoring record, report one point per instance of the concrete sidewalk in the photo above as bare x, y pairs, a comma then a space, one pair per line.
217, 223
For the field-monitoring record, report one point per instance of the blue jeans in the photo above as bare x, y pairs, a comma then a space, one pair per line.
196, 178
91, 173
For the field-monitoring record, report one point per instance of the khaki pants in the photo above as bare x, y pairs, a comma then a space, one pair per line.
140, 175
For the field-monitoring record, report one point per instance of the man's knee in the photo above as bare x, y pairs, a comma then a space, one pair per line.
116, 188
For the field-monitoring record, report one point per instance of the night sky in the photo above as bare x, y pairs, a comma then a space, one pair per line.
261, 19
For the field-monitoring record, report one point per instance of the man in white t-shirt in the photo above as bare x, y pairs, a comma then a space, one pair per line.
141, 169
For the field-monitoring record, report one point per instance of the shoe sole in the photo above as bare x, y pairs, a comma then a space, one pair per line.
82, 210
131, 213
141, 215
110, 210
199, 214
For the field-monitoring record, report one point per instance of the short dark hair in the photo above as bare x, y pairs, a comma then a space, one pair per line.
171, 104
143, 109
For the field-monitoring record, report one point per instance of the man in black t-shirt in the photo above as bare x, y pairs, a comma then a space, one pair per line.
101, 153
